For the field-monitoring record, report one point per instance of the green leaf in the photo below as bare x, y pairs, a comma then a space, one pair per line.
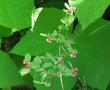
56, 4
88, 11
36, 64
62, 68
67, 81
68, 72
16, 14
28, 57
9, 74
43, 78
93, 59
37, 60
5, 31
74, 3
55, 83
28, 81
46, 65
33, 42
51, 57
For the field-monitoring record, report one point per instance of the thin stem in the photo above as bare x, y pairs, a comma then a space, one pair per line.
59, 51
61, 81
52, 84
84, 82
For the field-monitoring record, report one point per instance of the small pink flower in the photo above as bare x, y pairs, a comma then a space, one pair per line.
73, 54
49, 39
71, 10
60, 62
74, 72
27, 64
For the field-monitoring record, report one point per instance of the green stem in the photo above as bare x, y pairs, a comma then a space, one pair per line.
61, 81
52, 84
85, 84
59, 51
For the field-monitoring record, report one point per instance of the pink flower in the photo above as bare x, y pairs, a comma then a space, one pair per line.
49, 39
74, 72
71, 10
73, 54
60, 62
27, 64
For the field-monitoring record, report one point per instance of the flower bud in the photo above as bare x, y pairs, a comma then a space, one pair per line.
27, 65
49, 39
73, 54
71, 10
74, 72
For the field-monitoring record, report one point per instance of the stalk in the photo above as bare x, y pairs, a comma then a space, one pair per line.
61, 81
59, 51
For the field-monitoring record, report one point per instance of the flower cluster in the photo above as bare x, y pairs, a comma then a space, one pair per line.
49, 65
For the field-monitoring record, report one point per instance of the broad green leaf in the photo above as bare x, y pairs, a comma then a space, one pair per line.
33, 42
93, 59
5, 31
9, 74
56, 4
90, 10
16, 13
28, 80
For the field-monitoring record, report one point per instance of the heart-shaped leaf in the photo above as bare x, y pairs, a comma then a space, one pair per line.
33, 42
93, 60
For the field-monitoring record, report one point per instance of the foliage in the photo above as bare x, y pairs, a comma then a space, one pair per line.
93, 59
7, 70
16, 14
54, 54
